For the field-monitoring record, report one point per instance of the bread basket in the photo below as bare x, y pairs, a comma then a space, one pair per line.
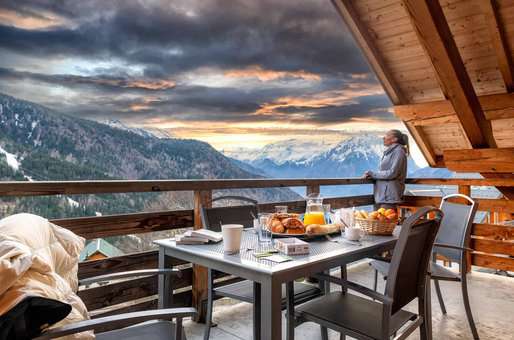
375, 227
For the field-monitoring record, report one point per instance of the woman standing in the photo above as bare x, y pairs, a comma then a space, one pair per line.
390, 178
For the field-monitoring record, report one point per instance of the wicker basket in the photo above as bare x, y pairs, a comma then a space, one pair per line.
375, 227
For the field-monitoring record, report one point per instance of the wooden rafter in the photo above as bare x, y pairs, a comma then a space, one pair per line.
419, 135
436, 38
495, 106
360, 33
350, 16
497, 160
498, 40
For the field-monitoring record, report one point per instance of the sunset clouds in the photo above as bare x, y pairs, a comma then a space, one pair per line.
204, 69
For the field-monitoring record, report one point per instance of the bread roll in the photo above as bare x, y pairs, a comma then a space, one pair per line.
322, 228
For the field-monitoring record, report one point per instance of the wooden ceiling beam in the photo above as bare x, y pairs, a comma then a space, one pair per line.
435, 36
499, 160
495, 106
419, 135
359, 31
489, 8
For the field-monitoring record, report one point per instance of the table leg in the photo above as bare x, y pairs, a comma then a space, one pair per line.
271, 313
256, 311
290, 310
164, 282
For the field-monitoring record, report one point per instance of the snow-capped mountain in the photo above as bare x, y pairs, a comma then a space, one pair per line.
291, 150
294, 158
147, 133
300, 159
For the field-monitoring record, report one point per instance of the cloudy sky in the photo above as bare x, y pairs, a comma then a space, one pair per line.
229, 72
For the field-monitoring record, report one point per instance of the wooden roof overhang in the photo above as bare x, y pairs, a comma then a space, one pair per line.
447, 66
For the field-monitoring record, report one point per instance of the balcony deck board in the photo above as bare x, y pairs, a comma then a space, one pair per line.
490, 302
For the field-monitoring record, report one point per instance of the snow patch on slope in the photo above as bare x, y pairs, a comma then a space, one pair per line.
12, 161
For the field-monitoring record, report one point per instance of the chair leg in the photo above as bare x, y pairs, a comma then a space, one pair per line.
439, 296
324, 333
424, 311
467, 307
210, 298
342, 336
178, 329
375, 281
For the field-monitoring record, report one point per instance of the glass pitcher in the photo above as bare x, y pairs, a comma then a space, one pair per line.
314, 212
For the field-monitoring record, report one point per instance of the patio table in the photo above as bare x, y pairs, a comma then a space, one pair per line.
267, 276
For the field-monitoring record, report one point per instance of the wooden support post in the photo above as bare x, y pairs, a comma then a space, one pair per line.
202, 198
312, 189
466, 190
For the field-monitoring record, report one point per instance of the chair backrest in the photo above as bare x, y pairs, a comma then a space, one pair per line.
407, 273
456, 225
213, 218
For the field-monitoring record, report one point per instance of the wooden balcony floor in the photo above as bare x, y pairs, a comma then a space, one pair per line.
492, 298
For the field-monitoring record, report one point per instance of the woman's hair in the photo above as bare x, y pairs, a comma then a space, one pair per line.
402, 138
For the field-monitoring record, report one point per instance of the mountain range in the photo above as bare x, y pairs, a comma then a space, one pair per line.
295, 158
37, 143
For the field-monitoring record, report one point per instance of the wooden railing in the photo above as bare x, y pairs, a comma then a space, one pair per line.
493, 243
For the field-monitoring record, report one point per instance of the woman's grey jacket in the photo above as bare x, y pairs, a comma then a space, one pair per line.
390, 179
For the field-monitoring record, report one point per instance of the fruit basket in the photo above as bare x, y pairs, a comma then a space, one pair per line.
380, 222
375, 227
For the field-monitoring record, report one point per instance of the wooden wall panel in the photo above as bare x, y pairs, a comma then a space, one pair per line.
503, 130
474, 41
396, 41
446, 137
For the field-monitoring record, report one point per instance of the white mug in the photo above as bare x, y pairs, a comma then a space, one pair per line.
353, 233
231, 237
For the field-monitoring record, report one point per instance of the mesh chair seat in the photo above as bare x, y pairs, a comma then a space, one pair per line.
439, 272
151, 330
243, 291
351, 312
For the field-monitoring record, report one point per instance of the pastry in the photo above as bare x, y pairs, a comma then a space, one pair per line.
276, 226
292, 223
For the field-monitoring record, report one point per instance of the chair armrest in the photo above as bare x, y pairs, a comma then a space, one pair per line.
118, 320
451, 246
133, 273
356, 287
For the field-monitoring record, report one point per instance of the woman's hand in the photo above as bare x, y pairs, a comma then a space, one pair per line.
367, 174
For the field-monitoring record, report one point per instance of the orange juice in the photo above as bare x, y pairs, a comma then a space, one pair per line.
315, 217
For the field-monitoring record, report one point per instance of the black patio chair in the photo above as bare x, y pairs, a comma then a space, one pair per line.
148, 325
212, 219
379, 316
452, 242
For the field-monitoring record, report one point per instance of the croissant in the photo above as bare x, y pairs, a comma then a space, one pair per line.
292, 223
276, 226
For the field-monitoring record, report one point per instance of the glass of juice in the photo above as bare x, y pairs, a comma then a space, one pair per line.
316, 217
